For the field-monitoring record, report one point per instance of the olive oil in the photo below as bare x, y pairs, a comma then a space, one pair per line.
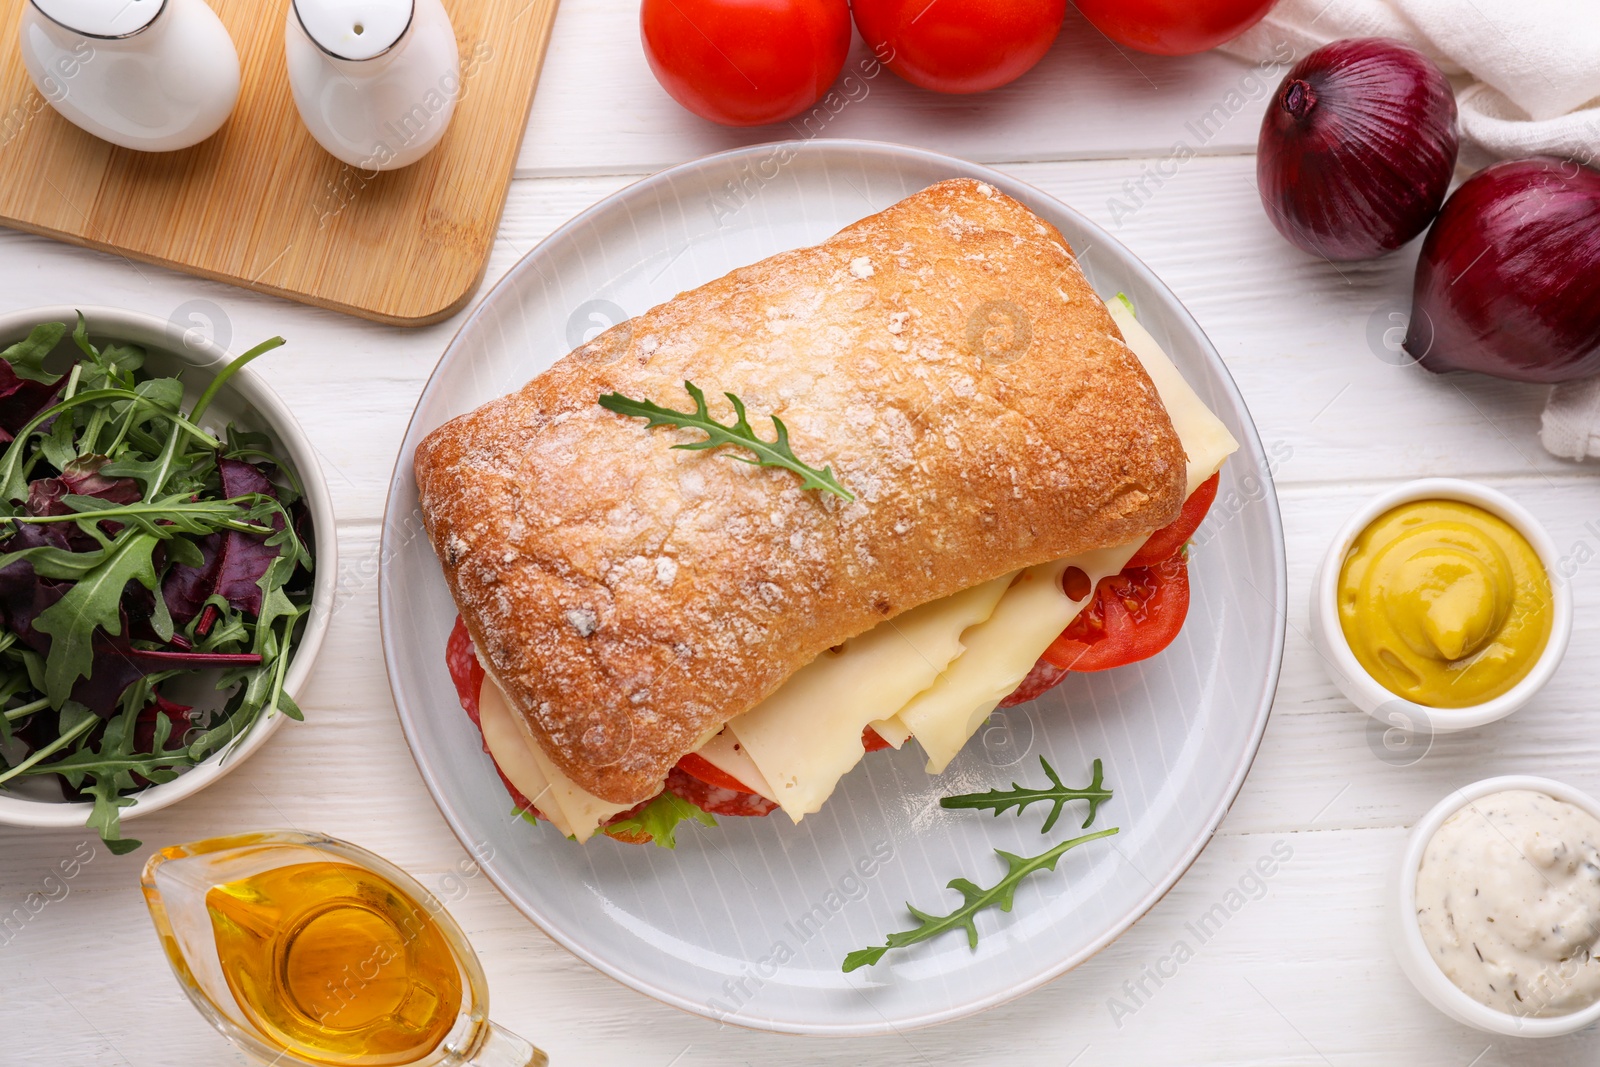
336, 964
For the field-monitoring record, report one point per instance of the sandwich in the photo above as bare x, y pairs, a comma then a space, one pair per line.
926, 472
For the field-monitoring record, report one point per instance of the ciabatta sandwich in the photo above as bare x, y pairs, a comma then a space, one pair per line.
659, 626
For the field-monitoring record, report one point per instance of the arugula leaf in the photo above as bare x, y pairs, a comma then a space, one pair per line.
106, 772
27, 356
14, 463
1020, 796
739, 433
75, 721
166, 517
51, 561
95, 600
660, 819
234, 367
58, 446
974, 900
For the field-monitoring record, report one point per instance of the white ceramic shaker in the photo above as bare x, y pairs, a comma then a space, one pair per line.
152, 75
376, 81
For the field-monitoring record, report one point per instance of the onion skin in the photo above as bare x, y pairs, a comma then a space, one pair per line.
1357, 148
1509, 279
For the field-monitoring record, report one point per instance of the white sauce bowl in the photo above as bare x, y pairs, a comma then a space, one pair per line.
251, 403
1364, 691
1406, 936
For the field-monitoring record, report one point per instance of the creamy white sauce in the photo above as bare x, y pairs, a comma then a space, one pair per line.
1508, 899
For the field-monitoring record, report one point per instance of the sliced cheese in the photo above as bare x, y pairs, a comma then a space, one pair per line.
892, 730
571, 809
1204, 437
728, 756
997, 653
807, 735
1000, 652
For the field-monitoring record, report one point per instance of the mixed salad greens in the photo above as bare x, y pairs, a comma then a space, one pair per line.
140, 556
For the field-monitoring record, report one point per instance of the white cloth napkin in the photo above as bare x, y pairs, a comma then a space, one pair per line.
1570, 425
1527, 74
1528, 70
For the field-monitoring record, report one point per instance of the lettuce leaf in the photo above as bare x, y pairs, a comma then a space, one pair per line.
660, 819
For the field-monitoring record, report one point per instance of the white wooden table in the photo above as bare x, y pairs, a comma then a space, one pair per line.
1300, 976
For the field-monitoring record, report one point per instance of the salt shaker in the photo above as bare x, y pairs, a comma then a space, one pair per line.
376, 81
152, 75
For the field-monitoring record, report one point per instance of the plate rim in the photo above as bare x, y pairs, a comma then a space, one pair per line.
742, 1018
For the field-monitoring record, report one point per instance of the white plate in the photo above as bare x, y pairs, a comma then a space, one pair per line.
748, 923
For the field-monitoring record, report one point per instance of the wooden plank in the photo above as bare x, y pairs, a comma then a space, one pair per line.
261, 205
1299, 975
1313, 944
1293, 330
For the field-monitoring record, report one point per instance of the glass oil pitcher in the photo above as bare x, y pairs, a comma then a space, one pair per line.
306, 950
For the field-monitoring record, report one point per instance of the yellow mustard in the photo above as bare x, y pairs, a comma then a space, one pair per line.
1444, 604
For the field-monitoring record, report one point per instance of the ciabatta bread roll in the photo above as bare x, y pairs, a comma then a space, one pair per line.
945, 357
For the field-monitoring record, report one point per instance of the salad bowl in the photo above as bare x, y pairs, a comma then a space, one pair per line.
249, 403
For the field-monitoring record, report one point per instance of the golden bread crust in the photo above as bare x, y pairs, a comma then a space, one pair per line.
946, 357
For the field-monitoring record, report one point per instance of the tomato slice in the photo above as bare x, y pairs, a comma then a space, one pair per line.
1133, 616
1167, 540
716, 799
871, 741
697, 766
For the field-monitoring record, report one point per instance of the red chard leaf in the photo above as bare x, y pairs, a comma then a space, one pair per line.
26, 388
144, 729
82, 477
234, 562
20, 400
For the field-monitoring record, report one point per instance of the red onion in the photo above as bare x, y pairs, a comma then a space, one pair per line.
1509, 279
1357, 148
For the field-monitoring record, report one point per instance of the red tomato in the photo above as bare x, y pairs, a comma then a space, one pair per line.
959, 46
1167, 540
715, 798
1133, 616
872, 742
745, 62
1173, 27
697, 766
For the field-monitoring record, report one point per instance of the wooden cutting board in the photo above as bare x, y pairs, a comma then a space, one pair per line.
261, 205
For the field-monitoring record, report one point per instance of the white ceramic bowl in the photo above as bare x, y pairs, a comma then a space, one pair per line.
1406, 936
250, 403
1364, 691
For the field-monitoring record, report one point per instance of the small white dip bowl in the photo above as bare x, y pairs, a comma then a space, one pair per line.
1364, 691
1406, 936
251, 404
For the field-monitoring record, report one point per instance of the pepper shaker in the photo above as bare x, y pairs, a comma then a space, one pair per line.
376, 81
152, 75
